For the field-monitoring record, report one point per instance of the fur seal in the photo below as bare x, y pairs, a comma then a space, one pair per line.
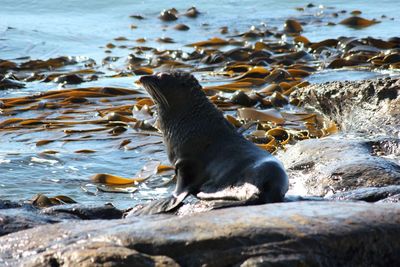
212, 160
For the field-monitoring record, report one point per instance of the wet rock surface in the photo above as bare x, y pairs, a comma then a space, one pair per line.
7, 83
69, 79
84, 212
15, 217
365, 155
330, 224
370, 194
6, 204
371, 106
330, 165
285, 234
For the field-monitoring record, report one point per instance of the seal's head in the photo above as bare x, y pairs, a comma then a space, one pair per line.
172, 89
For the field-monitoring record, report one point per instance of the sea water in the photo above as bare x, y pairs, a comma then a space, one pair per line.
50, 28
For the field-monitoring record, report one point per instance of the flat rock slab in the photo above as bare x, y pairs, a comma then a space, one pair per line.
17, 219
326, 166
284, 234
16, 216
370, 194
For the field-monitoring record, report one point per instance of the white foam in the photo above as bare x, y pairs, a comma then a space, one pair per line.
41, 160
2, 160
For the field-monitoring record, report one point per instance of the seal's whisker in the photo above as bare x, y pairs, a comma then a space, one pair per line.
159, 96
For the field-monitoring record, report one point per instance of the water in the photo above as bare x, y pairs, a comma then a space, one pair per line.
348, 75
51, 28
43, 29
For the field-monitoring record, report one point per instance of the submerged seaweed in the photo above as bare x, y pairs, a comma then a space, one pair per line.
249, 75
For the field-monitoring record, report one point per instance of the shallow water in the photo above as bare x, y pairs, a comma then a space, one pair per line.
44, 29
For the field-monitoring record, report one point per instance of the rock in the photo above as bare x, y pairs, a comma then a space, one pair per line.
102, 254
329, 165
168, 15
192, 12
391, 199
389, 147
365, 109
14, 217
17, 219
370, 194
7, 204
292, 26
241, 98
371, 106
84, 212
285, 234
69, 79
181, 27
8, 83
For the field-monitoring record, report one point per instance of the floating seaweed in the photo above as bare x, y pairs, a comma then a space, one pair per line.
42, 201
249, 75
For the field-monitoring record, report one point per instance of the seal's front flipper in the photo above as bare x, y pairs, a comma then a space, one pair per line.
187, 178
163, 205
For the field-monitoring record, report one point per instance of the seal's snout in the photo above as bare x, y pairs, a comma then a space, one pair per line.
158, 77
163, 75
146, 79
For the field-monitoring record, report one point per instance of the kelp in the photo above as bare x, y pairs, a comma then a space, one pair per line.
42, 201
110, 179
215, 41
292, 26
358, 22
250, 75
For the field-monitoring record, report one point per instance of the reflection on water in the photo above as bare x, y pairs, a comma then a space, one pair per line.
51, 28
43, 29
347, 75
24, 174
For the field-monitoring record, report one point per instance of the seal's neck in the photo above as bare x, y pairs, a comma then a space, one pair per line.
194, 114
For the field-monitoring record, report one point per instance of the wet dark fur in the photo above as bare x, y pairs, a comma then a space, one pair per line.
207, 151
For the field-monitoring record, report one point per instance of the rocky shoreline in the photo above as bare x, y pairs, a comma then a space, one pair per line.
343, 171
285, 234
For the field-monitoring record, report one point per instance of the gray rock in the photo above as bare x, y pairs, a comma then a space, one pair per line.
99, 254
388, 147
9, 83
286, 234
330, 165
84, 212
69, 79
17, 219
371, 106
391, 199
370, 194
7, 204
